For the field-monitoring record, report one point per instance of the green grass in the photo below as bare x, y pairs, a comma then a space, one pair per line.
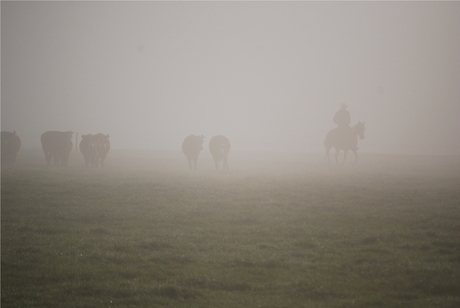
282, 231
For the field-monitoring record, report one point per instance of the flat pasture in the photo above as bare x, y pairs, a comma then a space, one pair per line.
277, 230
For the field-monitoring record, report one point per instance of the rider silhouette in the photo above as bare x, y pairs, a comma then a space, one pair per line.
342, 117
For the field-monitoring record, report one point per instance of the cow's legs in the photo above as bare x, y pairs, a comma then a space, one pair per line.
56, 159
195, 162
345, 152
225, 163
48, 157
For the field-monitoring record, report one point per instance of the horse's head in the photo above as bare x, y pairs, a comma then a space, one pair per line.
359, 129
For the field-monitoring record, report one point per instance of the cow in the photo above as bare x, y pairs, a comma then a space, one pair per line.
102, 148
219, 146
11, 143
192, 147
94, 149
88, 149
57, 146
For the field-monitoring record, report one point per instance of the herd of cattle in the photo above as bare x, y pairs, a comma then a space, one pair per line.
58, 145
219, 146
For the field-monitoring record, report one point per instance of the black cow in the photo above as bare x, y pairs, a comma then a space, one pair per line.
102, 148
219, 146
88, 149
94, 149
192, 147
10, 147
57, 146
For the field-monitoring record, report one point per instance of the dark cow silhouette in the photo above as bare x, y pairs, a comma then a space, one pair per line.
102, 148
94, 149
88, 149
10, 147
192, 147
220, 146
57, 146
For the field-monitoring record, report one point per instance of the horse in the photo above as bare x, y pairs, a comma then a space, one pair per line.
344, 138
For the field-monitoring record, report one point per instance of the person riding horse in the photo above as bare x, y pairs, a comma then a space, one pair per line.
343, 137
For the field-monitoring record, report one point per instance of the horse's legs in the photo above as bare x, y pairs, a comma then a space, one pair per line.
356, 156
327, 155
337, 155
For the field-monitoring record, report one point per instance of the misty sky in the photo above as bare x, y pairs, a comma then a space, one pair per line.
268, 75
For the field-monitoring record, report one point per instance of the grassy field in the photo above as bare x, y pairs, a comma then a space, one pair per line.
278, 230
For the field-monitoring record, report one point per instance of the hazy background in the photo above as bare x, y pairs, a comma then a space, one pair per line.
268, 75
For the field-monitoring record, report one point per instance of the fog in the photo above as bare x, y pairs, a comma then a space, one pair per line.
268, 75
